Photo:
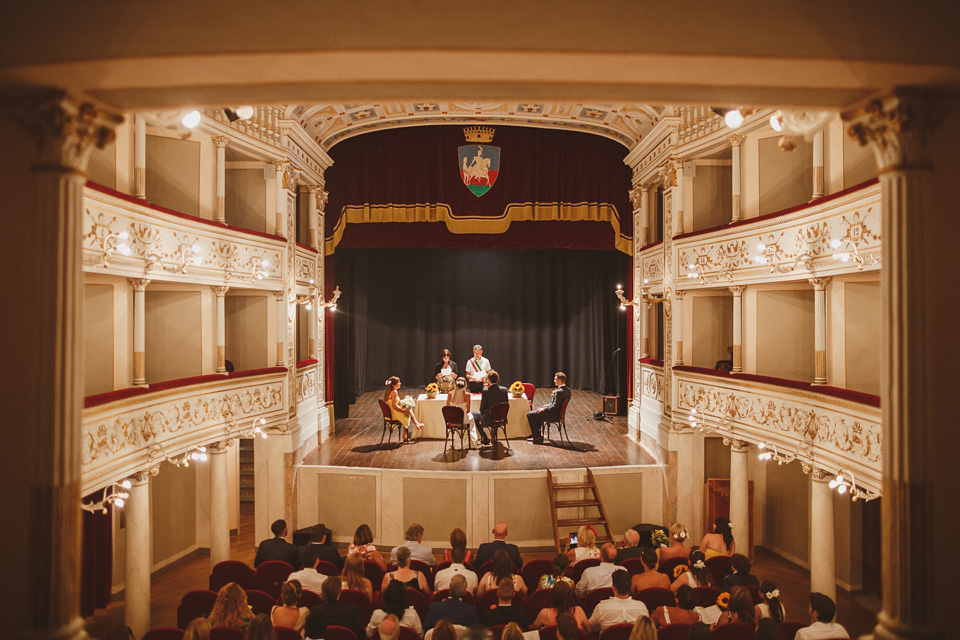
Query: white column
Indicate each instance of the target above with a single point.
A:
(818, 165)
(312, 215)
(139, 156)
(281, 202)
(820, 329)
(645, 332)
(312, 325)
(735, 141)
(737, 292)
(678, 296)
(221, 328)
(645, 215)
(823, 569)
(678, 198)
(219, 507)
(139, 330)
(221, 142)
(914, 492)
(281, 307)
(139, 556)
(740, 495)
(690, 481)
(64, 134)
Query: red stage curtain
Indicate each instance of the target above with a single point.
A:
(97, 561)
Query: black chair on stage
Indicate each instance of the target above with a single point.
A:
(453, 417)
(498, 422)
(389, 424)
(561, 424)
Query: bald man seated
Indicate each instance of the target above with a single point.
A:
(629, 546)
(487, 549)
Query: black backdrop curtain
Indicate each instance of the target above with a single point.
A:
(535, 312)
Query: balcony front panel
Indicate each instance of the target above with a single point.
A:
(651, 269)
(305, 266)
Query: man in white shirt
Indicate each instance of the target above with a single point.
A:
(822, 611)
(443, 577)
(310, 579)
(601, 575)
(476, 370)
(620, 608)
(418, 551)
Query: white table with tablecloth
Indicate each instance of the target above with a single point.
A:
(430, 414)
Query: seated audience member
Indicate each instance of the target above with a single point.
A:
(771, 607)
(363, 545)
(353, 578)
(395, 603)
(458, 538)
(444, 630)
(561, 597)
(619, 609)
(720, 542)
(741, 576)
(288, 613)
(697, 576)
(487, 549)
(409, 577)
(389, 628)
(231, 608)
(503, 569)
(629, 546)
(198, 629)
(260, 628)
(643, 629)
(700, 631)
(586, 545)
(740, 609)
(650, 577)
(677, 548)
(504, 612)
(767, 629)
(309, 578)
(567, 628)
(512, 632)
(682, 613)
(822, 611)
(277, 548)
(418, 551)
(444, 576)
(320, 545)
(560, 564)
(333, 612)
(602, 574)
(453, 608)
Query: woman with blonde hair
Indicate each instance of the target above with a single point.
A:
(512, 632)
(288, 613)
(677, 548)
(198, 629)
(353, 578)
(586, 545)
(643, 629)
(231, 608)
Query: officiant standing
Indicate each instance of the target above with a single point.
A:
(476, 370)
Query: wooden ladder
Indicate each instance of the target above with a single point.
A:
(595, 502)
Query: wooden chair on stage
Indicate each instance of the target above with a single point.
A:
(561, 424)
(498, 422)
(453, 417)
(528, 390)
(389, 424)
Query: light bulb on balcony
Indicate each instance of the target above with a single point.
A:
(761, 247)
(844, 257)
(622, 308)
(842, 489)
(619, 287)
(775, 122)
(733, 118)
(245, 112)
(311, 280)
(833, 483)
(126, 484)
(195, 248)
(203, 457)
(333, 307)
(124, 249)
(119, 502)
(265, 264)
(835, 243)
(191, 120)
(123, 235)
(645, 281)
(309, 306)
(263, 421)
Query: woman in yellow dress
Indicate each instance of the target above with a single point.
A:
(391, 395)
(720, 542)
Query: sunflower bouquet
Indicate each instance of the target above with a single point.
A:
(678, 571)
(659, 538)
(432, 390)
(517, 389)
(723, 601)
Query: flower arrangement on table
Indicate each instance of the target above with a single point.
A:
(723, 601)
(408, 403)
(678, 571)
(432, 390)
(517, 389)
(659, 538)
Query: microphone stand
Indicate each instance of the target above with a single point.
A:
(600, 415)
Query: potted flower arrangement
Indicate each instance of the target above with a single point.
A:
(659, 538)
(516, 389)
(432, 390)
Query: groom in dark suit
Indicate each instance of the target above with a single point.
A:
(492, 396)
(549, 411)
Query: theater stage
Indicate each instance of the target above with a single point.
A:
(594, 443)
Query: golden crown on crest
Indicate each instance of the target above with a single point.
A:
(478, 134)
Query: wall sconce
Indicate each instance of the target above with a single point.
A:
(733, 117)
(197, 454)
(188, 254)
(624, 303)
(769, 253)
(850, 252)
(331, 304)
(845, 483)
(114, 494)
(114, 243)
(261, 268)
(769, 451)
(306, 301)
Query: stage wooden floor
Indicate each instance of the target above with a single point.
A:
(594, 443)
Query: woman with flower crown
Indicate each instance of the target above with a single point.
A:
(697, 576)
(720, 542)
(391, 395)
(678, 534)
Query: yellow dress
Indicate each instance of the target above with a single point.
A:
(709, 553)
(399, 416)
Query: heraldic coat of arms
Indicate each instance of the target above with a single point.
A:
(479, 163)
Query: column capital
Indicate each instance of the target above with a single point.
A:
(279, 295)
(636, 195)
(142, 477)
(819, 284)
(735, 139)
(66, 131)
(668, 174)
(737, 290)
(221, 141)
(817, 474)
(739, 446)
(220, 291)
(322, 195)
(139, 284)
(291, 175)
(896, 127)
(679, 293)
(220, 446)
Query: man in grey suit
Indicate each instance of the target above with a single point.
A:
(492, 396)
